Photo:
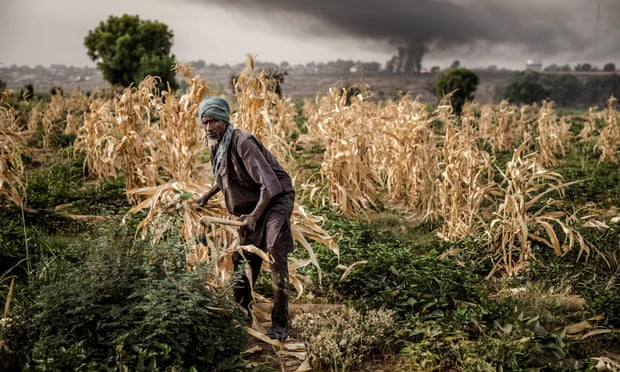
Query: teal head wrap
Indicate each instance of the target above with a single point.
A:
(214, 107)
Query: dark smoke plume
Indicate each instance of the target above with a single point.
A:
(415, 27)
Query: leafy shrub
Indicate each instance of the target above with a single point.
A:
(462, 82)
(396, 278)
(517, 342)
(106, 197)
(110, 303)
(13, 338)
(341, 340)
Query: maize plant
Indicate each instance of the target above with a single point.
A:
(524, 216)
(498, 126)
(409, 153)
(97, 138)
(589, 129)
(209, 232)
(466, 180)
(265, 114)
(13, 144)
(353, 183)
(552, 135)
(608, 141)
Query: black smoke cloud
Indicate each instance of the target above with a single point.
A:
(574, 29)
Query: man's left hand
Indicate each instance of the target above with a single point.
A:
(249, 220)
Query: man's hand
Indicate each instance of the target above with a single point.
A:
(201, 201)
(249, 220)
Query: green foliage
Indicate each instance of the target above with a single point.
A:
(342, 340)
(599, 183)
(609, 67)
(14, 339)
(29, 237)
(126, 49)
(47, 187)
(114, 303)
(449, 316)
(401, 274)
(565, 89)
(598, 89)
(106, 197)
(514, 341)
(411, 284)
(462, 81)
(594, 280)
(525, 87)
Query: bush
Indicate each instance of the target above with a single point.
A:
(114, 304)
(462, 81)
(340, 341)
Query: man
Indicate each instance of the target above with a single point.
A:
(259, 191)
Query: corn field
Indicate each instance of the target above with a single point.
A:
(426, 161)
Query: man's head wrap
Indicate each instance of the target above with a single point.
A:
(214, 107)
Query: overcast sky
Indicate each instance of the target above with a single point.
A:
(478, 33)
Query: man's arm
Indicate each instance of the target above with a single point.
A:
(250, 219)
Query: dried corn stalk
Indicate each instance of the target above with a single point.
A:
(13, 143)
(167, 199)
(609, 139)
(352, 182)
(523, 216)
(466, 181)
(552, 135)
(409, 155)
(589, 127)
(264, 114)
(499, 126)
(97, 138)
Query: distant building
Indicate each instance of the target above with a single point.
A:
(534, 65)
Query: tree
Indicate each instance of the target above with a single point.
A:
(126, 49)
(525, 87)
(583, 67)
(598, 89)
(609, 67)
(461, 82)
(564, 89)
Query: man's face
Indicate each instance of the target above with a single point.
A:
(214, 128)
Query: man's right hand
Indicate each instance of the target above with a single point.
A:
(201, 201)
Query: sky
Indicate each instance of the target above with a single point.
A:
(477, 33)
